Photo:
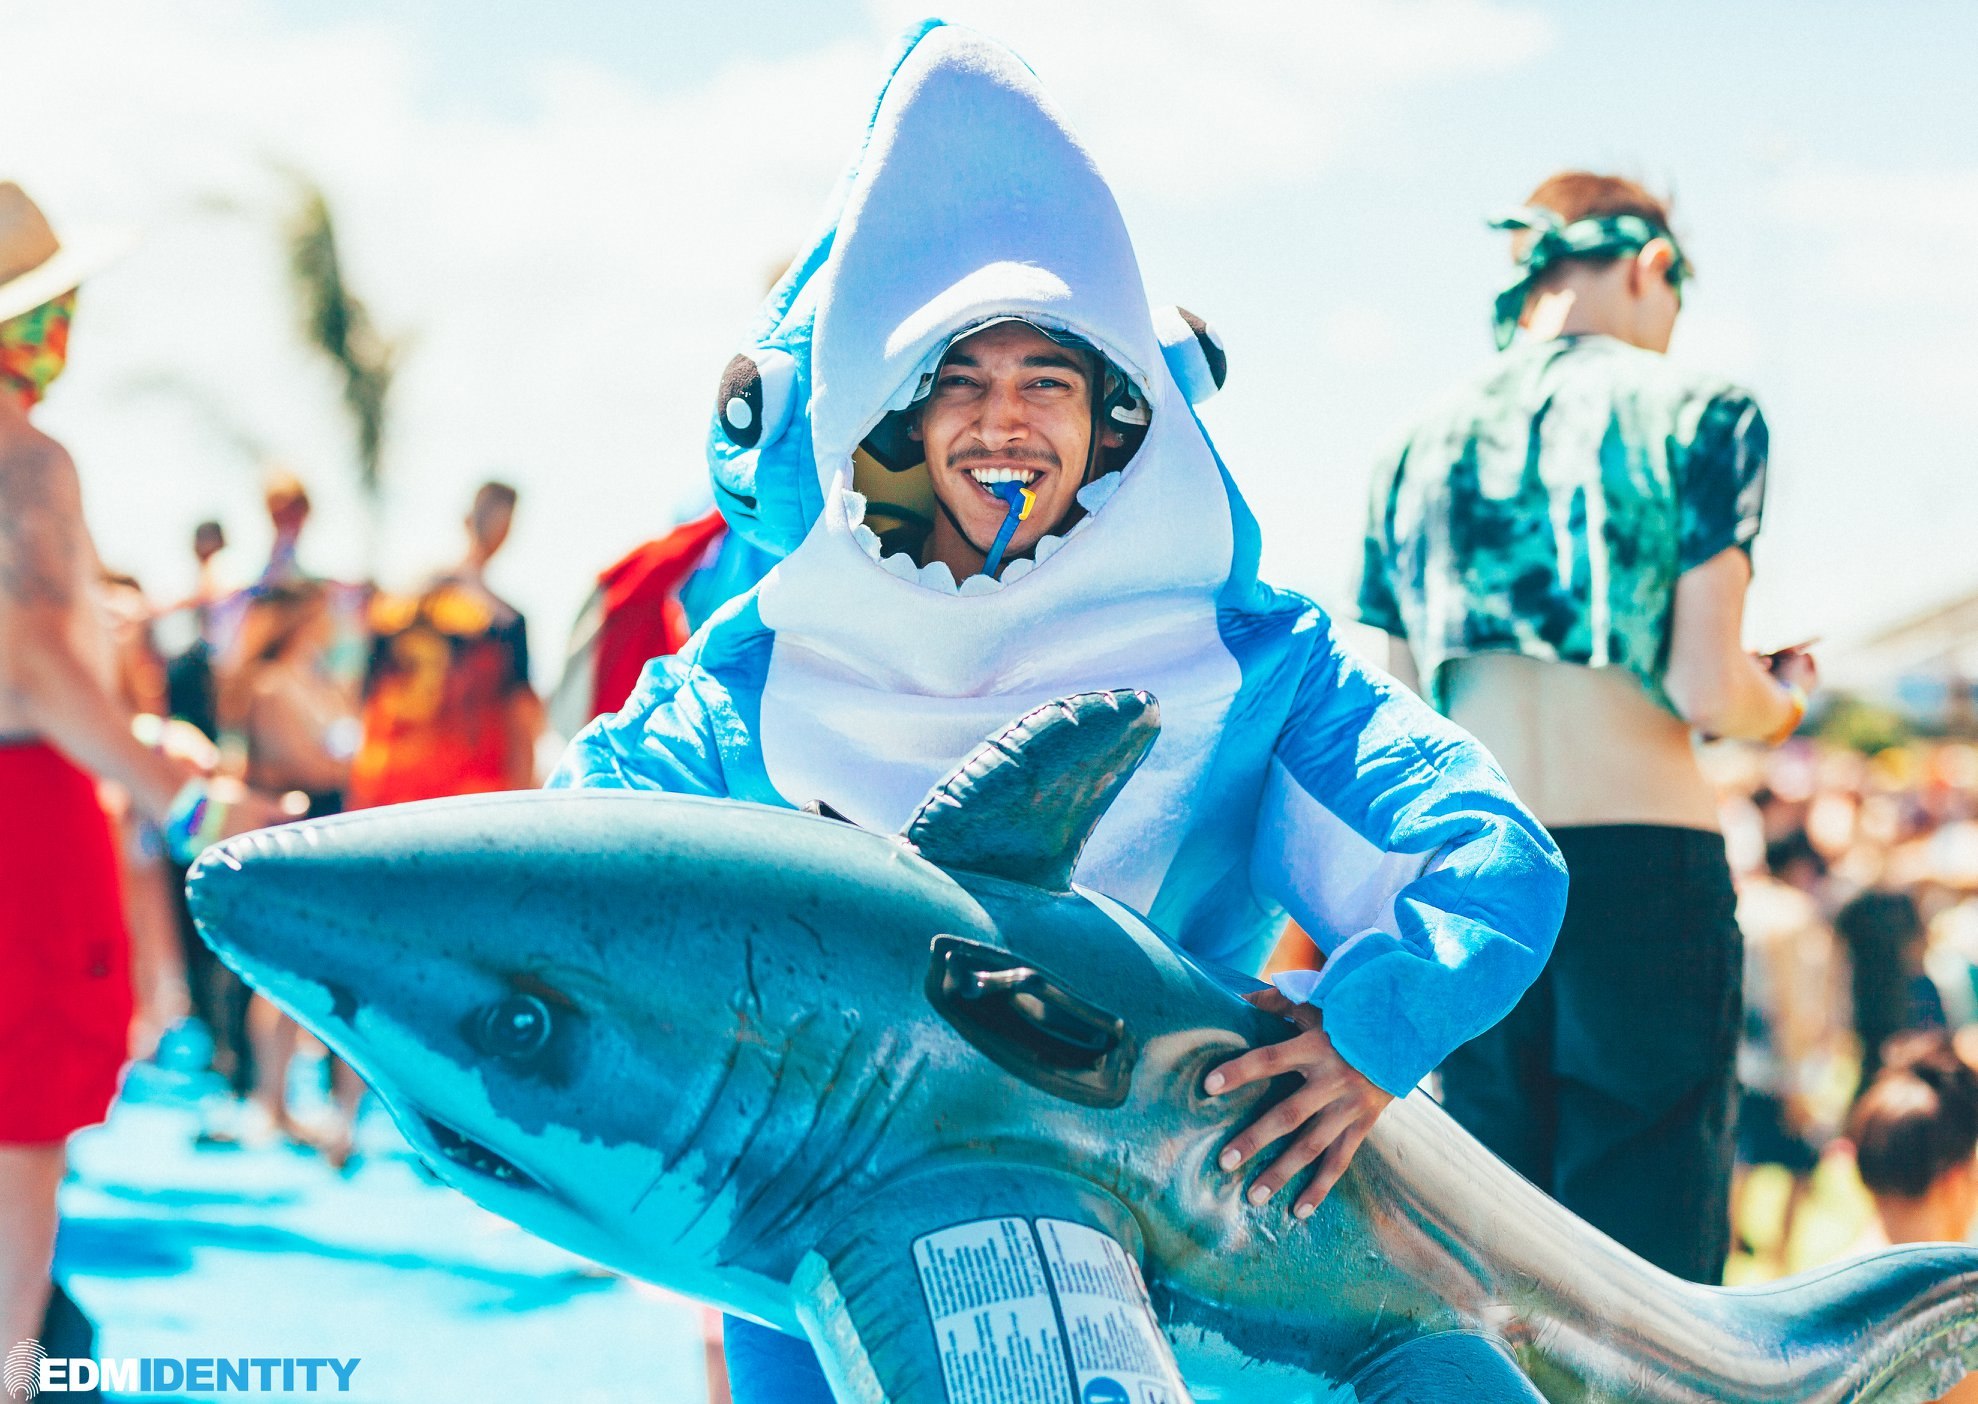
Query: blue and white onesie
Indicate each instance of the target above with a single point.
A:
(1288, 777)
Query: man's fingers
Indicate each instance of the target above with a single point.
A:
(1327, 1117)
(1273, 1125)
(1317, 1104)
(1258, 1063)
(1319, 1134)
(1263, 1064)
(1332, 1164)
(1272, 1000)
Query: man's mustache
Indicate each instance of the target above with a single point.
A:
(1047, 457)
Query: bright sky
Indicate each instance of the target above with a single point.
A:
(569, 213)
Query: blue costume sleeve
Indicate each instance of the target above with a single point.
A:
(1395, 841)
(662, 739)
(689, 726)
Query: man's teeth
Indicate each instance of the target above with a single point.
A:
(986, 476)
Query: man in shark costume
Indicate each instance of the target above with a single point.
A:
(1287, 776)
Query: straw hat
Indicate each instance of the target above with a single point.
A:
(35, 266)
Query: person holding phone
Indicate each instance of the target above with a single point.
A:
(1560, 554)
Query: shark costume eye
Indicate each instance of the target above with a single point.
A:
(753, 400)
(515, 1028)
(1193, 351)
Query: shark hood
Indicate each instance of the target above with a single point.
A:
(971, 201)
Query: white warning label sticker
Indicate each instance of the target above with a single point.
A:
(999, 1334)
(1117, 1348)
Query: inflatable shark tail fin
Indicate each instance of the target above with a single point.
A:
(1026, 800)
(1894, 1327)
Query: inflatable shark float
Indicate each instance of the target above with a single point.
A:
(920, 1098)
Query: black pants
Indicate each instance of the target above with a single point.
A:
(1612, 1085)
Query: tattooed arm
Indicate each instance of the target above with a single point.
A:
(47, 615)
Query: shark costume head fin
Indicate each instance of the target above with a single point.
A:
(1025, 801)
(1193, 351)
(758, 448)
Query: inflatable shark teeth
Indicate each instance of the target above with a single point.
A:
(935, 575)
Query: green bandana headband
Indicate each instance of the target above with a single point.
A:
(1599, 236)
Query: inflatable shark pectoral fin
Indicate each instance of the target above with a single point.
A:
(1026, 800)
(913, 1295)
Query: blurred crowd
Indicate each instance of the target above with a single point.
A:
(332, 696)
(1858, 897)
(336, 695)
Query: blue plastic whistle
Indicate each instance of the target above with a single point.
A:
(1021, 499)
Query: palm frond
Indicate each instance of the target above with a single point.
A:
(336, 322)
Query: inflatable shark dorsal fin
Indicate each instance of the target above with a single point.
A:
(1026, 800)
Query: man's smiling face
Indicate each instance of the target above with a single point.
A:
(1008, 405)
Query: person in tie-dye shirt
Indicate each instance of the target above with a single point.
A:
(1560, 552)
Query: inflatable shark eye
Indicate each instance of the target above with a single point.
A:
(753, 401)
(515, 1028)
(1193, 351)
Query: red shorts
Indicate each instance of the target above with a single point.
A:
(65, 993)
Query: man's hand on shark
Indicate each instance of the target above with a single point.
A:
(1336, 1107)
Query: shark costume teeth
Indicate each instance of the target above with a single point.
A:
(1287, 775)
(936, 575)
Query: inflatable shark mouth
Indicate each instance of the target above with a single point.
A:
(470, 1154)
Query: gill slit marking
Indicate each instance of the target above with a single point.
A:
(779, 1071)
(646, 1193)
(817, 1117)
(748, 973)
(728, 1063)
(874, 1089)
(737, 1241)
(852, 1164)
